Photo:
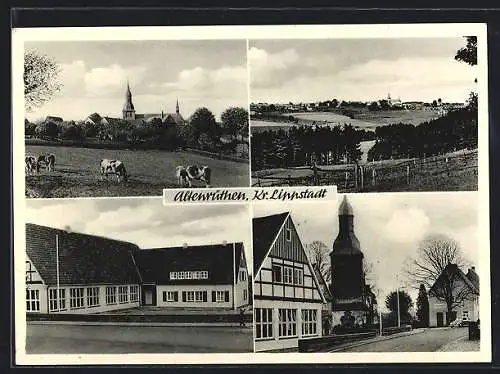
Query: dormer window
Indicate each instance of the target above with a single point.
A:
(288, 235)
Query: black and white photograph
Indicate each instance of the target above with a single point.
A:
(130, 118)
(132, 276)
(371, 273)
(366, 115)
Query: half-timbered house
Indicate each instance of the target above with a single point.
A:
(287, 295)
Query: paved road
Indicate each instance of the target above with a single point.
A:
(75, 339)
(428, 341)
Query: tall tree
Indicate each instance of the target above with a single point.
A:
(405, 303)
(434, 253)
(235, 121)
(468, 54)
(423, 306)
(203, 122)
(40, 79)
(318, 254)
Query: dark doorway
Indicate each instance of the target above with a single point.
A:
(149, 295)
(439, 318)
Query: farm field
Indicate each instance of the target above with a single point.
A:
(76, 172)
(414, 117)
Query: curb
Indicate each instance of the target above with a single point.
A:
(138, 324)
(389, 337)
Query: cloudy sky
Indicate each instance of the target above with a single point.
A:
(146, 222)
(94, 74)
(390, 226)
(358, 69)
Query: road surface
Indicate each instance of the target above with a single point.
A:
(428, 341)
(78, 339)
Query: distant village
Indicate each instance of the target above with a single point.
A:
(388, 103)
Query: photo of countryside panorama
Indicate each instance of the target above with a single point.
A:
(130, 118)
(367, 115)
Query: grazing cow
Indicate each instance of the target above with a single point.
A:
(30, 165)
(115, 167)
(188, 173)
(48, 161)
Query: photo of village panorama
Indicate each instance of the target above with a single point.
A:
(322, 282)
(101, 121)
(133, 276)
(366, 115)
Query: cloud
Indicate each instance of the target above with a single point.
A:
(407, 226)
(267, 68)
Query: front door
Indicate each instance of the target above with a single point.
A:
(439, 319)
(149, 297)
(149, 294)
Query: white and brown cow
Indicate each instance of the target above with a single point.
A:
(30, 165)
(46, 160)
(115, 167)
(185, 174)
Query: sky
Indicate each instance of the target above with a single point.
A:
(389, 227)
(146, 222)
(94, 74)
(413, 69)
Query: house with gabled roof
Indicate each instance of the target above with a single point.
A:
(89, 273)
(463, 298)
(288, 299)
(96, 274)
(212, 276)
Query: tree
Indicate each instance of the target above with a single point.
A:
(434, 253)
(47, 129)
(203, 122)
(40, 79)
(235, 121)
(405, 303)
(423, 306)
(318, 254)
(468, 54)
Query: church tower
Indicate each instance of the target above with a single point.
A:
(128, 108)
(177, 107)
(348, 280)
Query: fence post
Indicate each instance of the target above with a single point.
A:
(362, 175)
(289, 180)
(346, 177)
(356, 176)
(373, 176)
(407, 174)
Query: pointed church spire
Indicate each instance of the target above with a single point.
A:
(128, 108)
(177, 106)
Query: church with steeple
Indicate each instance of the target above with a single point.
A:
(353, 301)
(129, 114)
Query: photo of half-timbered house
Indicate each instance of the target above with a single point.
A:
(287, 294)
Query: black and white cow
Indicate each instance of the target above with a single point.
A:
(47, 160)
(30, 165)
(185, 174)
(115, 167)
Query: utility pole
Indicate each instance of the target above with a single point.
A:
(399, 313)
(57, 274)
(379, 313)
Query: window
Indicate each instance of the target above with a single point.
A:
(134, 294)
(76, 298)
(245, 294)
(123, 294)
(298, 277)
(287, 275)
(277, 269)
(188, 275)
(220, 296)
(287, 322)
(288, 235)
(200, 296)
(92, 297)
(32, 300)
(465, 315)
(53, 300)
(30, 270)
(309, 322)
(243, 275)
(173, 275)
(110, 295)
(170, 296)
(263, 323)
(188, 296)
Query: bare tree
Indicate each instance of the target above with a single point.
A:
(318, 254)
(40, 79)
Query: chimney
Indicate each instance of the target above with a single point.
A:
(185, 245)
(162, 114)
(224, 243)
(473, 268)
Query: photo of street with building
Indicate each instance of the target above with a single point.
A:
(104, 121)
(371, 273)
(367, 115)
(133, 276)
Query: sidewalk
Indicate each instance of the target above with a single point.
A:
(248, 326)
(346, 346)
(462, 344)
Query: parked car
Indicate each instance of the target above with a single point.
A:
(457, 323)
